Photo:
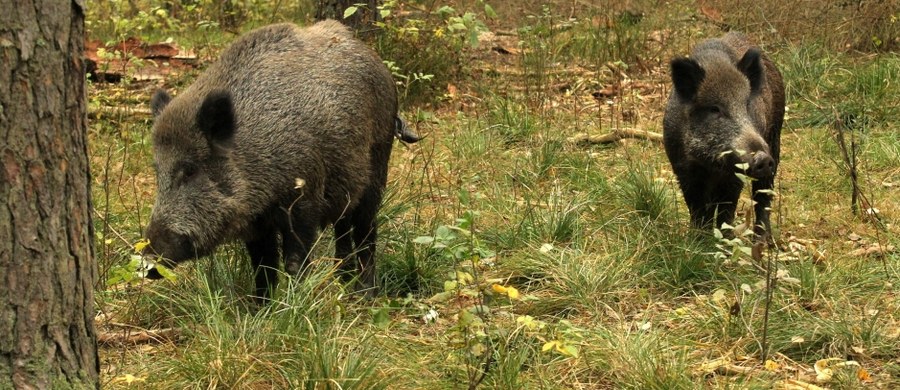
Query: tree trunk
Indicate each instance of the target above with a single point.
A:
(47, 338)
(362, 20)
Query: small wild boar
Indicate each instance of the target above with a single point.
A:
(289, 131)
(723, 117)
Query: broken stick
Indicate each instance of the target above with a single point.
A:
(616, 135)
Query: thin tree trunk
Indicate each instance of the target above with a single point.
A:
(47, 337)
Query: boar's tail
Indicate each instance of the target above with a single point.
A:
(403, 133)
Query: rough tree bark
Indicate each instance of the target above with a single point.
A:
(361, 21)
(47, 337)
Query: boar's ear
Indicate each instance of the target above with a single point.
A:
(159, 101)
(687, 76)
(752, 67)
(216, 117)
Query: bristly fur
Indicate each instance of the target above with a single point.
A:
(726, 110)
(289, 131)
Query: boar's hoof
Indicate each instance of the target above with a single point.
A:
(293, 267)
(762, 166)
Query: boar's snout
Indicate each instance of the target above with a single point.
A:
(762, 166)
(167, 247)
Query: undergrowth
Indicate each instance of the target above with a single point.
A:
(510, 256)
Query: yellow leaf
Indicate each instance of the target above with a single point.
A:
(823, 373)
(141, 244)
(549, 345)
(512, 293)
(795, 384)
(772, 366)
(718, 295)
(713, 365)
(498, 289)
(129, 379)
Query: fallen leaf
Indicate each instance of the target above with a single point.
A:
(451, 90)
(794, 384)
(823, 373)
(713, 365)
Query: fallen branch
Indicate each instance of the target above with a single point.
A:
(615, 136)
(131, 336)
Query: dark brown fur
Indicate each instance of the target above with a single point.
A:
(727, 108)
(282, 105)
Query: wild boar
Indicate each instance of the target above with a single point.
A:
(723, 117)
(290, 131)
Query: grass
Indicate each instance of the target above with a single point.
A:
(612, 288)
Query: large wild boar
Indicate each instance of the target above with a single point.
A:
(289, 131)
(723, 117)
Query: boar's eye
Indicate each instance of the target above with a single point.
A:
(184, 172)
(713, 110)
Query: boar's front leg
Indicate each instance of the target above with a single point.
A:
(695, 189)
(343, 237)
(264, 261)
(298, 232)
(763, 200)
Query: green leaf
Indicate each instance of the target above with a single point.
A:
(478, 349)
(489, 11)
(466, 318)
(570, 350)
(381, 318)
(385, 13)
(120, 274)
(442, 296)
(458, 26)
(444, 233)
(480, 309)
(445, 10)
(450, 285)
(473, 38)
(423, 240)
(166, 273)
(350, 11)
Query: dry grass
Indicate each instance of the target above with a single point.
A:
(594, 237)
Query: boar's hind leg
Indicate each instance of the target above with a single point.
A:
(365, 233)
(264, 261)
(762, 227)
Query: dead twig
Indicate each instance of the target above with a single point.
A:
(113, 111)
(614, 136)
(132, 336)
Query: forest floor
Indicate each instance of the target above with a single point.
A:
(516, 249)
